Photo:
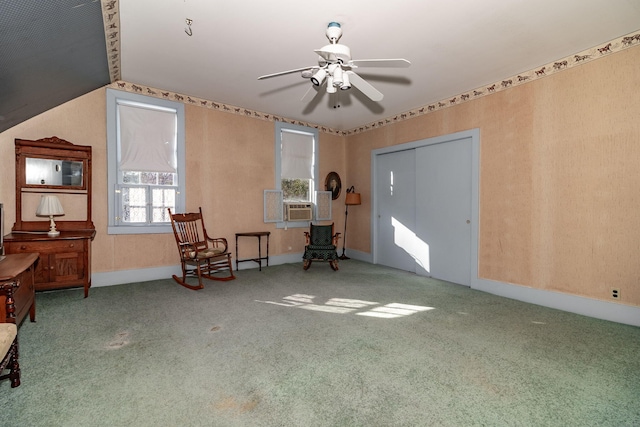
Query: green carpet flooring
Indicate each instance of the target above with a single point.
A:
(364, 346)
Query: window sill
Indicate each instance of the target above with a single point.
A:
(140, 229)
(293, 224)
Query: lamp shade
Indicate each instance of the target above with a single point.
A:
(352, 198)
(49, 206)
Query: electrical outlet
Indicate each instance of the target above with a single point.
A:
(615, 293)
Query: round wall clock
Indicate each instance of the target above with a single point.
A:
(333, 184)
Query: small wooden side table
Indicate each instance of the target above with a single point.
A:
(19, 268)
(259, 235)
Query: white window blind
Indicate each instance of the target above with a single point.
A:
(297, 155)
(147, 140)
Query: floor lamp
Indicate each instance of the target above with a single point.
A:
(352, 198)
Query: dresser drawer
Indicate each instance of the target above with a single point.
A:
(46, 247)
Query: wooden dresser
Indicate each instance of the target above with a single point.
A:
(64, 260)
(52, 166)
(17, 269)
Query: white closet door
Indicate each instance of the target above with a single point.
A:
(396, 208)
(443, 209)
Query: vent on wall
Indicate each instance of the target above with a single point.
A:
(298, 211)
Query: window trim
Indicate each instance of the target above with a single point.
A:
(113, 98)
(280, 126)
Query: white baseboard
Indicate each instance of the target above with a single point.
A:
(605, 310)
(145, 274)
(274, 260)
(297, 257)
(360, 256)
(131, 276)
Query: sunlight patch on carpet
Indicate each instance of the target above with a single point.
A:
(347, 305)
(394, 310)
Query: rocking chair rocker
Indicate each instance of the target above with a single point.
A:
(200, 255)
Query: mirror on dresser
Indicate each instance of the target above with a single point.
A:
(53, 172)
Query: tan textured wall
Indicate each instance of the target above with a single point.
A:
(230, 161)
(559, 178)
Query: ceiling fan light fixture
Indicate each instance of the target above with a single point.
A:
(318, 77)
(335, 68)
(346, 83)
(338, 77)
(330, 86)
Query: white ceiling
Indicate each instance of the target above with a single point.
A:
(454, 46)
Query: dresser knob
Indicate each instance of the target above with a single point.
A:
(23, 247)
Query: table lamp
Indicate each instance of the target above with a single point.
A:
(50, 206)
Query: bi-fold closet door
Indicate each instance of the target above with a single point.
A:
(423, 209)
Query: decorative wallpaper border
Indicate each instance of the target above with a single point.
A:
(110, 15)
(580, 58)
(111, 21)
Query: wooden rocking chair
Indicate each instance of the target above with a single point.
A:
(200, 255)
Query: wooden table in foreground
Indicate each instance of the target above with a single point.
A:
(18, 268)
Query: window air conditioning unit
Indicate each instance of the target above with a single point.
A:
(296, 211)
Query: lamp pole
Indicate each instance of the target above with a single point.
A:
(352, 198)
(344, 238)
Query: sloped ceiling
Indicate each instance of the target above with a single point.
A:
(51, 51)
(213, 52)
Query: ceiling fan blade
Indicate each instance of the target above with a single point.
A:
(364, 87)
(282, 73)
(393, 63)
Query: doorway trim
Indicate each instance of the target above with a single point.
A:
(474, 135)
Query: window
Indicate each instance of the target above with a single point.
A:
(296, 146)
(145, 144)
(296, 163)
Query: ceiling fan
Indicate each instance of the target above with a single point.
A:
(335, 67)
